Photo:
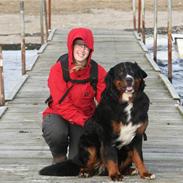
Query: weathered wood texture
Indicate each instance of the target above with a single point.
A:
(22, 149)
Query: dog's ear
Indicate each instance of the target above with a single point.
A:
(141, 74)
(140, 71)
(109, 90)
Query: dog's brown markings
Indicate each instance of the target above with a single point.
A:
(116, 126)
(120, 85)
(92, 157)
(140, 165)
(92, 162)
(113, 170)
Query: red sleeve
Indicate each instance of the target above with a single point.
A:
(58, 87)
(101, 82)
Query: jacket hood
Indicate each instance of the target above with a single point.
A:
(82, 33)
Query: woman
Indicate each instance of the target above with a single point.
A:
(63, 122)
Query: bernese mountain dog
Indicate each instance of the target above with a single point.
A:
(112, 141)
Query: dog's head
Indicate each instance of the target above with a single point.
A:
(124, 80)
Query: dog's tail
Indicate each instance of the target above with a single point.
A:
(65, 168)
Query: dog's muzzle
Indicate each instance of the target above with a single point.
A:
(129, 84)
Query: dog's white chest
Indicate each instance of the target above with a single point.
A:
(128, 111)
(127, 134)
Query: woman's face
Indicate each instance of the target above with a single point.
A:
(80, 52)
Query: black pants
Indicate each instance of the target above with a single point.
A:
(60, 134)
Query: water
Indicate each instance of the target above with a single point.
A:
(162, 61)
(12, 68)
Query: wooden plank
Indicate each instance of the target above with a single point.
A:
(26, 151)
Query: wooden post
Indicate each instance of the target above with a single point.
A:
(143, 21)
(139, 15)
(22, 37)
(170, 40)
(46, 19)
(49, 15)
(42, 20)
(2, 97)
(134, 14)
(155, 31)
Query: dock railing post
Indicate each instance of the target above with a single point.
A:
(2, 96)
(170, 40)
(134, 14)
(46, 19)
(143, 21)
(139, 15)
(155, 31)
(49, 15)
(41, 21)
(22, 37)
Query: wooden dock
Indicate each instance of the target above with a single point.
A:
(23, 150)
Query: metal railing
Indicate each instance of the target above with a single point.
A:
(140, 4)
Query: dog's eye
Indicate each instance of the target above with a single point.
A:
(118, 83)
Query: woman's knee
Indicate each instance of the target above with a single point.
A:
(56, 138)
(55, 131)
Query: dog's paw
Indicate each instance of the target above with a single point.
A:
(84, 174)
(148, 176)
(116, 177)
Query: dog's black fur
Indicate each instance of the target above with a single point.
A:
(105, 147)
(124, 106)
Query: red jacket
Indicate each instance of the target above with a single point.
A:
(79, 105)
